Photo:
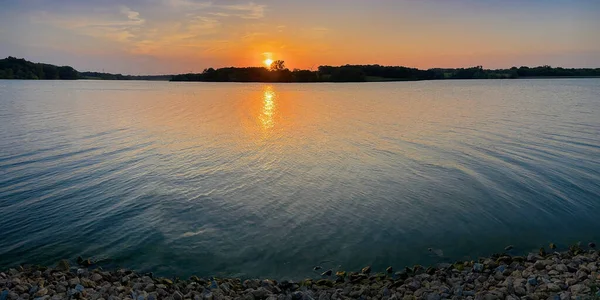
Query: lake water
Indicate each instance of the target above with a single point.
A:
(258, 180)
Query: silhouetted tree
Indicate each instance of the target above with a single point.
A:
(277, 65)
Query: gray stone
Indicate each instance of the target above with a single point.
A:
(177, 296)
(579, 289)
(63, 265)
(520, 291)
(553, 287)
(562, 268)
(260, 293)
(565, 296)
(96, 277)
(532, 281)
(74, 281)
(540, 265)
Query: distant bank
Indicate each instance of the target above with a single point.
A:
(18, 68)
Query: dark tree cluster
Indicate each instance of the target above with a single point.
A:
(361, 73)
(548, 71)
(18, 68)
(249, 74)
(109, 76)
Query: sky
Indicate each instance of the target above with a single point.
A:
(180, 36)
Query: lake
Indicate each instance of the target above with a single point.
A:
(270, 180)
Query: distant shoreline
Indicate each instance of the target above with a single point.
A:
(315, 82)
(18, 68)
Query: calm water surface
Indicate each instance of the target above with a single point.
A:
(258, 180)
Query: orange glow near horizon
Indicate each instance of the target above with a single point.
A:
(187, 36)
(268, 62)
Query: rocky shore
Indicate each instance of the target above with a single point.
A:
(571, 274)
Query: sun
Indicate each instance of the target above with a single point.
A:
(268, 62)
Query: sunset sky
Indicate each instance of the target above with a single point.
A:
(176, 36)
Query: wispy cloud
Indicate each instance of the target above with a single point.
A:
(249, 10)
(133, 16)
(120, 25)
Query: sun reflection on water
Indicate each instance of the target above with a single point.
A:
(268, 109)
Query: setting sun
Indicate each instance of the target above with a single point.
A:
(268, 62)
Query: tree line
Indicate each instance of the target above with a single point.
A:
(362, 73)
(18, 68)
(15, 68)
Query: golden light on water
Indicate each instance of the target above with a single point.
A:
(268, 109)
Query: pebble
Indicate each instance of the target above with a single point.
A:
(96, 277)
(560, 276)
(74, 281)
(177, 295)
(532, 281)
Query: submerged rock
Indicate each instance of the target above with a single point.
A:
(63, 265)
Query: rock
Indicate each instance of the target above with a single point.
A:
(150, 288)
(389, 270)
(477, 267)
(552, 246)
(260, 293)
(579, 289)
(532, 281)
(41, 292)
(553, 287)
(63, 265)
(540, 265)
(177, 296)
(88, 283)
(208, 296)
(414, 285)
(295, 296)
(581, 275)
(341, 274)
(74, 281)
(562, 268)
(565, 296)
(572, 281)
(366, 270)
(325, 282)
(520, 291)
(96, 277)
(84, 262)
(532, 257)
(327, 273)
